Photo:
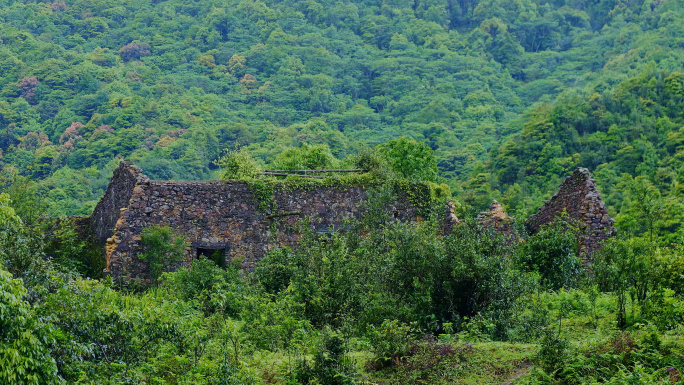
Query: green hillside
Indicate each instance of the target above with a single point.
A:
(473, 100)
(172, 84)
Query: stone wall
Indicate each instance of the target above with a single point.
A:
(496, 219)
(450, 219)
(225, 215)
(578, 196)
(119, 191)
(218, 214)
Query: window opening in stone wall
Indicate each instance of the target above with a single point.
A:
(218, 256)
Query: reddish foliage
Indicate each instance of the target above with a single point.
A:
(71, 135)
(674, 374)
(34, 140)
(58, 6)
(27, 88)
(105, 127)
(622, 343)
(135, 51)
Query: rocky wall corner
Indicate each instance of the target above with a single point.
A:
(579, 199)
(108, 210)
(497, 220)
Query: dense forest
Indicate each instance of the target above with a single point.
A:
(482, 99)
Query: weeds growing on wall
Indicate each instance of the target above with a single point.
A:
(162, 249)
(423, 195)
(405, 176)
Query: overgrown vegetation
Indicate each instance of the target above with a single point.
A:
(535, 87)
(405, 166)
(163, 249)
(479, 100)
(383, 302)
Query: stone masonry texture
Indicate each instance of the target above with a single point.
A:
(225, 215)
(118, 193)
(579, 198)
(497, 219)
(216, 214)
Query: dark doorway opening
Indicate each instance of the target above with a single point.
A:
(217, 255)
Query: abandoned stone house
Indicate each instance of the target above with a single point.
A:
(224, 217)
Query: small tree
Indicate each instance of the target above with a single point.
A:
(239, 164)
(311, 157)
(627, 267)
(74, 250)
(552, 252)
(644, 205)
(27, 88)
(163, 249)
(24, 357)
(25, 199)
(410, 159)
(332, 364)
(134, 51)
(369, 159)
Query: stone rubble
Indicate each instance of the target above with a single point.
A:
(497, 219)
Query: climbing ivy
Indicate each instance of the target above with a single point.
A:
(162, 249)
(262, 190)
(423, 195)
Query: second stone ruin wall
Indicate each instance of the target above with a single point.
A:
(579, 198)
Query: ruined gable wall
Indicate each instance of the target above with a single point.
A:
(118, 193)
(578, 196)
(220, 212)
(497, 220)
(199, 211)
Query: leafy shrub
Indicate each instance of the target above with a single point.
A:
(390, 342)
(552, 252)
(553, 352)
(163, 249)
(331, 364)
(476, 275)
(410, 159)
(214, 288)
(666, 309)
(275, 271)
(22, 255)
(432, 362)
(24, 354)
(239, 164)
(326, 279)
(306, 157)
(371, 160)
(108, 336)
(620, 359)
(627, 268)
(73, 250)
(274, 324)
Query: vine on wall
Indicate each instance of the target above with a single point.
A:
(421, 194)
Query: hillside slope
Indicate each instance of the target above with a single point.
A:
(171, 84)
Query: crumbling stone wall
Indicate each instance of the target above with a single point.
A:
(226, 215)
(496, 219)
(107, 212)
(217, 214)
(578, 196)
(450, 219)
